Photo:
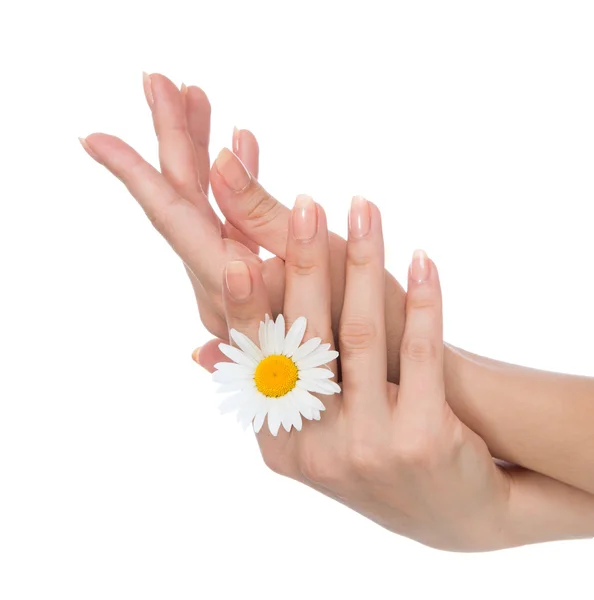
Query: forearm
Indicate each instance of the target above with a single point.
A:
(542, 421)
(542, 509)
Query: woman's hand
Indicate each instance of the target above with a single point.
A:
(396, 454)
(176, 202)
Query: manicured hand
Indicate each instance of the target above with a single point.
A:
(396, 454)
(176, 199)
(176, 202)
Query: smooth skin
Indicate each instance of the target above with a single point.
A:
(397, 454)
(509, 407)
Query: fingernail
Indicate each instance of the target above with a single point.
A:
(183, 90)
(196, 355)
(236, 140)
(87, 148)
(231, 169)
(305, 218)
(359, 217)
(238, 280)
(148, 88)
(419, 267)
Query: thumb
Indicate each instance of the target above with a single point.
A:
(247, 205)
(209, 354)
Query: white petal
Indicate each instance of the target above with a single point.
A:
(316, 359)
(261, 338)
(244, 342)
(240, 357)
(313, 374)
(316, 415)
(234, 369)
(245, 420)
(327, 387)
(287, 417)
(259, 420)
(274, 417)
(224, 377)
(261, 410)
(306, 349)
(270, 336)
(319, 386)
(247, 412)
(301, 403)
(279, 334)
(307, 399)
(296, 418)
(236, 385)
(294, 336)
(231, 403)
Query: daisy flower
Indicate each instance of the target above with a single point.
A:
(276, 378)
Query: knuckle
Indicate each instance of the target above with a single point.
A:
(416, 452)
(422, 299)
(302, 266)
(359, 258)
(243, 319)
(419, 349)
(160, 222)
(262, 208)
(160, 217)
(365, 459)
(317, 468)
(356, 334)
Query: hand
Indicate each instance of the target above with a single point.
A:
(396, 454)
(176, 202)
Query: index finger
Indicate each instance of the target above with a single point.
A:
(180, 222)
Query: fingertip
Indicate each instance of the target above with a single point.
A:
(196, 355)
(420, 267)
(87, 148)
(238, 280)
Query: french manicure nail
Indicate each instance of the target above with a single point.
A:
(148, 89)
(196, 355)
(232, 170)
(236, 141)
(238, 280)
(359, 217)
(305, 218)
(85, 145)
(419, 267)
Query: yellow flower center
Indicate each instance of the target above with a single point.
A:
(276, 375)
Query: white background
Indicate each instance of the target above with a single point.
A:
(470, 124)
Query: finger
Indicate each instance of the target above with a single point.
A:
(246, 148)
(198, 111)
(264, 376)
(307, 292)
(247, 206)
(362, 330)
(177, 157)
(421, 352)
(179, 221)
(208, 355)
